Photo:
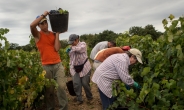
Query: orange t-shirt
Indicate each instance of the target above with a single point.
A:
(46, 48)
(102, 55)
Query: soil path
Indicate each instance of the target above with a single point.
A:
(94, 105)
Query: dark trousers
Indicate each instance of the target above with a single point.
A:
(106, 101)
(79, 82)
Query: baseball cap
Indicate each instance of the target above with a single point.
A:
(137, 53)
(72, 38)
(42, 19)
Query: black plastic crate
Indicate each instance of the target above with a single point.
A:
(59, 22)
(70, 88)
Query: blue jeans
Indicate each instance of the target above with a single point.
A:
(106, 102)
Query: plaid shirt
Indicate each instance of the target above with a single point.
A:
(113, 68)
(78, 55)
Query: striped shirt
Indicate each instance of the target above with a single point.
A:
(113, 68)
(78, 55)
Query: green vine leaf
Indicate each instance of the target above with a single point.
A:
(146, 70)
(170, 38)
(171, 17)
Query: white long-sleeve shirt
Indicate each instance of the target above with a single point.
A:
(113, 68)
(99, 46)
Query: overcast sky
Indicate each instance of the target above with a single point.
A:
(87, 16)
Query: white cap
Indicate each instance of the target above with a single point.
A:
(137, 53)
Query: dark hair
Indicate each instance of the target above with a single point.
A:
(113, 43)
(129, 54)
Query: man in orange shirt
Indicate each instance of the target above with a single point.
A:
(103, 54)
(48, 45)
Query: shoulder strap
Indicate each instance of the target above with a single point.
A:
(86, 60)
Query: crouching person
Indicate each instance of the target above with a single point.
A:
(113, 68)
(104, 53)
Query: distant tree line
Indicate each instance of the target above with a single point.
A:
(93, 39)
(147, 30)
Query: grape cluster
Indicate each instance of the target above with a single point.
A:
(59, 11)
(54, 12)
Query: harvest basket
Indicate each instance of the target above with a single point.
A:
(70, 88)
(59, 22)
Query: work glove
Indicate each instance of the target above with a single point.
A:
(127, 87)
(68, 50)
(136, 85)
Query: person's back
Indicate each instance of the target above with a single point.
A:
(101, 56)
(99, 46)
